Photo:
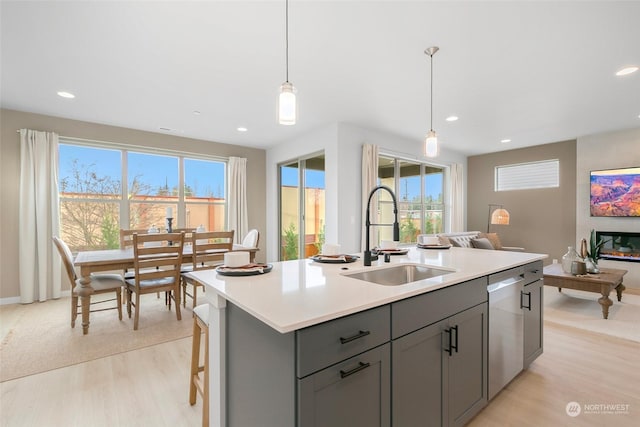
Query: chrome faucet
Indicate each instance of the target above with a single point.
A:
(396, 227)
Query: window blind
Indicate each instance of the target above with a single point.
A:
(524, 176)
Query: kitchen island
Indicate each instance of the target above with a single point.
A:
(272, 338)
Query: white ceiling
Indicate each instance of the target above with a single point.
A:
(534, 72)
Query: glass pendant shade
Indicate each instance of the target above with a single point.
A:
(431, 144)
(287, 108)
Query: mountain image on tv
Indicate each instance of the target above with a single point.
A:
(615, 192)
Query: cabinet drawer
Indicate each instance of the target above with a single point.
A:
(327, 343)
(352, 393)
(533, 271)
(422, 310)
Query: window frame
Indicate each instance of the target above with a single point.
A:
(423, 166)
(123, 200)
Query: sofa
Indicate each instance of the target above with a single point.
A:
(476, 239)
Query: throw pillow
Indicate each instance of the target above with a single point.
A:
(494, 239)
(444, 240)
(482, 243)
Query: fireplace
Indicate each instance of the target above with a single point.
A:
(619, 246)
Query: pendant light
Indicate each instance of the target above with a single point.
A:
(431, 140)
(287, 108)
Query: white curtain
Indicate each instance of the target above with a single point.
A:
(39, 221)
(457, 203)
(369, 181)
(238, 210)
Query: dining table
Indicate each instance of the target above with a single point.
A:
(118, 260)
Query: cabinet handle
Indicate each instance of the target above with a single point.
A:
(450, 349)
(360, 334)
(360, 367)
(528, 306)
(455, 347)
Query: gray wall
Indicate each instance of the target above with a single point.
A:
(607, 151)
(11, 121)
(542, 220)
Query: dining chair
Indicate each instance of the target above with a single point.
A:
(126, 236)
(101, 283)
(208, 252)
(126, 241)
(249, 241)
(156, 269)
(198, 384)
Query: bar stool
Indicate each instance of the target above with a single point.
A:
(201, 385)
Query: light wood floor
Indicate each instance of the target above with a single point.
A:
(576, 366)
(149, 387)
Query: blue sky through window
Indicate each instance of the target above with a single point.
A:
(204, 177)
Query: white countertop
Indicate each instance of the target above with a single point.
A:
(301, 293)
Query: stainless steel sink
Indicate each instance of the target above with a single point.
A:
(398, 274)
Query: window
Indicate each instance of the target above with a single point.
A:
(95, 204)
(524, 176)
(419, 190)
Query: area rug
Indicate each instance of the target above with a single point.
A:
(580, 309)
(38, 337)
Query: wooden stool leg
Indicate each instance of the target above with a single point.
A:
(205, 397)
(195, 294)
(195, 361)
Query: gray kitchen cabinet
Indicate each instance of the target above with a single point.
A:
(440, 370)
(353, 393)
(417, 377)
(344, 371)
(533, 324)
(465, 385)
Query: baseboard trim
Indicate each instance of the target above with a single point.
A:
(16, 300)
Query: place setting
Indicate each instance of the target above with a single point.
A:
(430, 242)
(331, 255)
(389, 247)
(237, 264)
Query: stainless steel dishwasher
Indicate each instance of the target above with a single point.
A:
(506, 327)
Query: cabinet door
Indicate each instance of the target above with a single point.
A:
(465, 380)
(533, 322)
(417, 377)
(353, 393)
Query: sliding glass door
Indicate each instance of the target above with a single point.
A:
(302, 207)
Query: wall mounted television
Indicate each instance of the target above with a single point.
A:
(615, 192)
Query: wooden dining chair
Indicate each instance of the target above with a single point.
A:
(208, 248)
(126, 236)
(156, 269)
(101, 283)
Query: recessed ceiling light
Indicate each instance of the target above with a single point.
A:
(627, 70)
(241, 129)
(196, 112)
(451, 118)
(66, 94)
(504, 141)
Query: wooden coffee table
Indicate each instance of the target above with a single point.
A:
(603, 283)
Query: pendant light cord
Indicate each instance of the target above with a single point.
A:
(431, 56)
(287, 37)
